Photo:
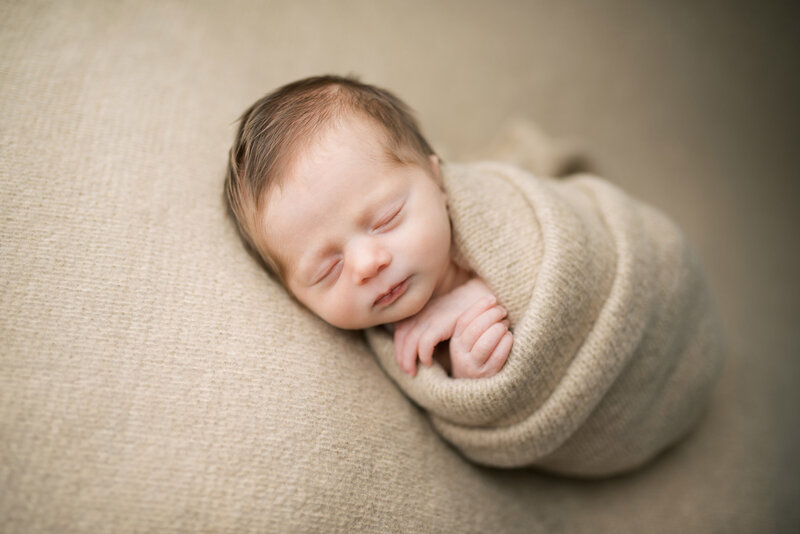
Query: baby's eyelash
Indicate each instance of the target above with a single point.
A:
(388, 219)
(333, 270)
(326, 273)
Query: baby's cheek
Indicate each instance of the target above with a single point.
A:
(426, 240)
(344, 311)
(437, 250)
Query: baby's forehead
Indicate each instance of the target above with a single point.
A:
(351, 140)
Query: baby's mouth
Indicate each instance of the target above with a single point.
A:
(392, 294)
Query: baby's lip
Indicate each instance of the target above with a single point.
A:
(392, 294)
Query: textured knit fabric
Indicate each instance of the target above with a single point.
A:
(616, 341)
(153, 378)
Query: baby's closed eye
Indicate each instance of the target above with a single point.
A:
(329, 272)
(390, 218)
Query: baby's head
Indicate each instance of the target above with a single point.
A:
(333, 185)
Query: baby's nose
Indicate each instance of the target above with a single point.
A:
(369, 260)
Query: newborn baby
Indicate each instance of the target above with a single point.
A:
(333, 185)
(616, 339)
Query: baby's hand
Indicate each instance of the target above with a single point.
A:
(481, 341)
(419, 334)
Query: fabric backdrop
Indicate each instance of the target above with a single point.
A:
(153, 378)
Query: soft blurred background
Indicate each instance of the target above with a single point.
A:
(691, 106)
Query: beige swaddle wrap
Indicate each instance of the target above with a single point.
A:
(616, 342)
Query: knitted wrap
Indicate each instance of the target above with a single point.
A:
(616, 340)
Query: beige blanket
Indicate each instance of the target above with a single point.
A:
(616, 344)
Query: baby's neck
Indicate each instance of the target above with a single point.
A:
(454, 277)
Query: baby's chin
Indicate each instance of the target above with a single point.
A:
(389, 316)
(413, 304)
(408, 305)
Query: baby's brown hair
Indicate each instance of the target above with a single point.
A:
(280, 125)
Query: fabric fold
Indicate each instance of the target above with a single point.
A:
(616, 340)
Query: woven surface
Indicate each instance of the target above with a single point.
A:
(152, 378)
(617, 344)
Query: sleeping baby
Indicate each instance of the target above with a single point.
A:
(616, 343)
(334, 186)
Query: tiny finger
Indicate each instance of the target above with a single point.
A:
(481, 324)
(399, 346)
(427, 344)
(487, 342)
(499, 356)
(410, 349)
(472, 312)
(401, 330)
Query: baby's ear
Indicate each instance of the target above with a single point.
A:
(437, 175)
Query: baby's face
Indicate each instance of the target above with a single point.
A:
(362, 239)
